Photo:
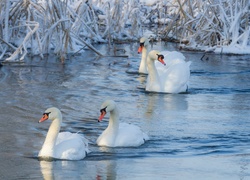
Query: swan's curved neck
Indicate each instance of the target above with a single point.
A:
(50, 140)
(152, 72)
(144, 54)
(113, 121)
(143, 64)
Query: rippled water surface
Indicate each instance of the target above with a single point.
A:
(201, 134)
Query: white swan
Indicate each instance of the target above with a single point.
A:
(143, 48)
(119, 134)
(173, 78)
(64, 145)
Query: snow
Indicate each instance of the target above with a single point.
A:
(233, 50)
(149, 2)
(214, 26)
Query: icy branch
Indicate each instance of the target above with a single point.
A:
(22, 47)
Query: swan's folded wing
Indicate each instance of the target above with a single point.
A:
(71, 146)
(176, 78)
(130, 135)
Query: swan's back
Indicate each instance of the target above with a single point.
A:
(71, 146)
(130, 136)
(175, 75)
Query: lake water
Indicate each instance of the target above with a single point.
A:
(202, 134)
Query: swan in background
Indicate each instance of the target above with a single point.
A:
(170, 79)
(171, 57)
(119, 134)
(64, 145)
(143, 48)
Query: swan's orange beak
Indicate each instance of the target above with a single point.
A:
(140, 48)
(103, 113)
(161, 59)
(44, 118)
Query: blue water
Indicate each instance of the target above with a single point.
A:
(201, 134)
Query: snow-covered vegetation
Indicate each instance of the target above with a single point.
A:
(38, 27)
(216, 25)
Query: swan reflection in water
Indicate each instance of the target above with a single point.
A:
(62, 169)
(106, 170)
(159, 103)
(46, 170)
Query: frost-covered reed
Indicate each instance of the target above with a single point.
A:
(39, 27)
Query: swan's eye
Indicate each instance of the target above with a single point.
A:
(103, 110)
(142, 44)
(160, 56)
(46, 113)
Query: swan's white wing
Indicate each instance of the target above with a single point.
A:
(175, 75)
(130, 135)
(176, 78)
(72, 146)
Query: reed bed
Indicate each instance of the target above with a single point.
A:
(68, 26)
